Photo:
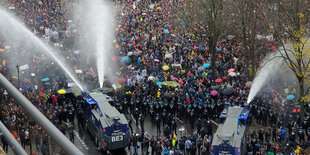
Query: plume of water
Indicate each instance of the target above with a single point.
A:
(11, 29)
(99, 24)
(270, 68)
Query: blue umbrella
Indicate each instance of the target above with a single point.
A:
(267, 90)
(227, 103)
(206, 65)
(199, 71)
(194, 67)
(45, 79)
(69, 80)
(191, 90)
(159, 83)
(290, 97)
(26, 87)
(125, 59)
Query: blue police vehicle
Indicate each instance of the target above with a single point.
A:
(104, 122)
(230, 136)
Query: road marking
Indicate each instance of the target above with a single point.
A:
(134, 120)
(179, 120)
(81, 140)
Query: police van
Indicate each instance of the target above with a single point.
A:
(104, 122)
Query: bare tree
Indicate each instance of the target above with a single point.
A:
(291, 30)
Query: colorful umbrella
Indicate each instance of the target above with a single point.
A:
(156, 60)
(61, 91)
(45, 79)
(218, 80)
(206, 65)
(231, 70)
(159, 83)
(121, 80)
(165, 68)
(214, 93)
(290, 97)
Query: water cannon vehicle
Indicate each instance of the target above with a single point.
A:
(230, 137)
(104, 122)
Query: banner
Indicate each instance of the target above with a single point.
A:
(24, 67)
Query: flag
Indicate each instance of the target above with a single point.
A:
(92, 72)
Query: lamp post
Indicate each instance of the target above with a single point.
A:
(17, 67)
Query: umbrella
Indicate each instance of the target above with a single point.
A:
(232, 74)
(214, 93)
(224, 78)
(168, 56)
(215, 87)
(218, 80)
(167, 95)
(26, 87)
(151, 78)
(159, 83)
(228, 90)
(231, 70)
(61, 91)
(46, 84)
(129, 53)
(165, 68)
(191, 90)
(7, 47)
(267, 90)
(26, 80)
(125, 59)
(175, 79)
(171, 83)
(121, 80)
(136, 53)
(156, 60)
(45, 79)
(77, 52)
(290, 97)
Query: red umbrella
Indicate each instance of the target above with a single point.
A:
(26, 81)
(231, 70)
(294, 110)
(273, 48)
(218, 80)
(298, 110)
(121, 80)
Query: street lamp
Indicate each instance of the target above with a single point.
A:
(17, 67)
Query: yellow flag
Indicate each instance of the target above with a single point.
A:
(3, 63)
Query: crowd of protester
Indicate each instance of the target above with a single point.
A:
(146, 41)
